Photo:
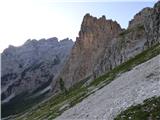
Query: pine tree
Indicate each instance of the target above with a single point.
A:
(62, 86)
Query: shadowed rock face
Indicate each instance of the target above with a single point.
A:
(102, 44)
(32, 67)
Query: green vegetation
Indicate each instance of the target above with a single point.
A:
(23, 104)
(125, 32)
(62, 86)
(138, 28)
(56, 105)
(149, 110)
(24, 100)
(126, 66)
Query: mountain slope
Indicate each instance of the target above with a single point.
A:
(56, 105)
(102, 45)
(129, 88)
(28, 70)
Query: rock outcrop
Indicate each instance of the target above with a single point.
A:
(31, 67)
(102, 44)
(94, 37)
(152, 25)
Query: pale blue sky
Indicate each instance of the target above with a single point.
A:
(24, 19)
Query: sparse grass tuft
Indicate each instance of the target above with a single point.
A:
(138, 28)
(149, 110)
(128, 65)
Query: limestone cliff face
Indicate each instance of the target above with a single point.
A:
(102, 44)
(152, 25)
(142, 33)
(94, 37)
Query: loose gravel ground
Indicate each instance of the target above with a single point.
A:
(130, 88)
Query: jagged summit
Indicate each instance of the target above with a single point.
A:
(140, 17)
(157, 5)
(66, 40)
(95, 36)
(52, 40)
(41, 42)
(91, 24)
(96, 31)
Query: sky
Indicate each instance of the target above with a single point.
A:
(21, 20)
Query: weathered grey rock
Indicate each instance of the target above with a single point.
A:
(152, 25)
(32, 67)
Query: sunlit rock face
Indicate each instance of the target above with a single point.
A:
(94, 37)
(102, 44)
(31, 67)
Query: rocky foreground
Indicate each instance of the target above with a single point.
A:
(128, 89)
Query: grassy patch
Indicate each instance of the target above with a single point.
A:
(53, 107)
(138, 28)
(19, 104)
(128, 65)
(149, 110)
(24, 101)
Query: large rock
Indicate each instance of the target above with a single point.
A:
(94, 37)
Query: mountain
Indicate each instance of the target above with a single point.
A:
(102, 45)
(127, 84)
(100, 63)
(28, 70)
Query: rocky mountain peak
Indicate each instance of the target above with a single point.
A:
(92, 24)
(97, 30)
(66, 41)
(31, 42)
(32, 66)
(139, 18)
(157, 5)
(95, 35)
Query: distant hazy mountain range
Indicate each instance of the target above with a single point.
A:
(28, 70)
